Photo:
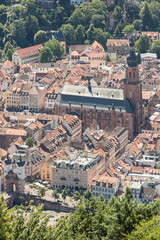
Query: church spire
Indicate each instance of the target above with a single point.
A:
(132, 59)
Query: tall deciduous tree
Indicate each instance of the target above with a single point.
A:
(55, 47)
(32, 27)
(69, 32)
(129, 29)
(55, 194)
(146, 16)
(9, 54)
(8, 46)
(45, 55)
(118, 14)
(64, 194)
(131, 11)
(80, 35)
(98, 21)
(40, 37)
(76, 196)
(41, 192)
(18, 31)
(76, 18)
(155, 48)
(142, 45)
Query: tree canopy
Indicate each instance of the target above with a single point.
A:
(93, 219)
(142, 45)
(155, 48)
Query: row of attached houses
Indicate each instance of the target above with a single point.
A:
(20, 96)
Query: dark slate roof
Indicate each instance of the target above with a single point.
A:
(58, 35)
(8, 160)
(20, 163)
(94, 103)
(132, 59)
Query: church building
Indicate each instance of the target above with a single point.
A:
(108, 107)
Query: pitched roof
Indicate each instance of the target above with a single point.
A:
(118, 42)
(26, 52)
(8, 64)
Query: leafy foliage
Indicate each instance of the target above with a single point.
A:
(55, 47)
(142, 45)
(30, 141)
(55, 194)
(45, 55)
(93, 219)
(128, 29)
(147, 230)
(155, 48)
(42, 191)
(40, 37)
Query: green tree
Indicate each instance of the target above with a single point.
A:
(41, 191)
(31, 6)
(157, 166)
(9, 54)
(146, 16)
(45, 55)
(40, 37)
(98, 21)
(55, 47)
(155, 48)
(5, 219)
(23, 222)
(76, 196)
(80, 35)
(147, 230)
(90, 32)
(64, 194)
(142, 45)
(76, 18)
(121, 3)
(107, 58)
(3, 14)
(131, 11)
(88, 194)
(69, 32)
(128, 29)
(55, 194)
(32, 26)
(18, 31)
(1, 33)
(117, 31)
(118, 14)
(8, 46)
(137, 24)
(59, 16)
(139, 58)
(30, 141)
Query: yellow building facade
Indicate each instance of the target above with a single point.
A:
(46, 170)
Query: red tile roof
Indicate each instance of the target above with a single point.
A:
(26, 52)
(117, 42)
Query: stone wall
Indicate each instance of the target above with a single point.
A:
(48, 205)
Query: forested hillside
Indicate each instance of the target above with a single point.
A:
(83, 24)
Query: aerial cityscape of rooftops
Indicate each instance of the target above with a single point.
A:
(79, 119)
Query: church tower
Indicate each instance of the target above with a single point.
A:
(133, 88)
